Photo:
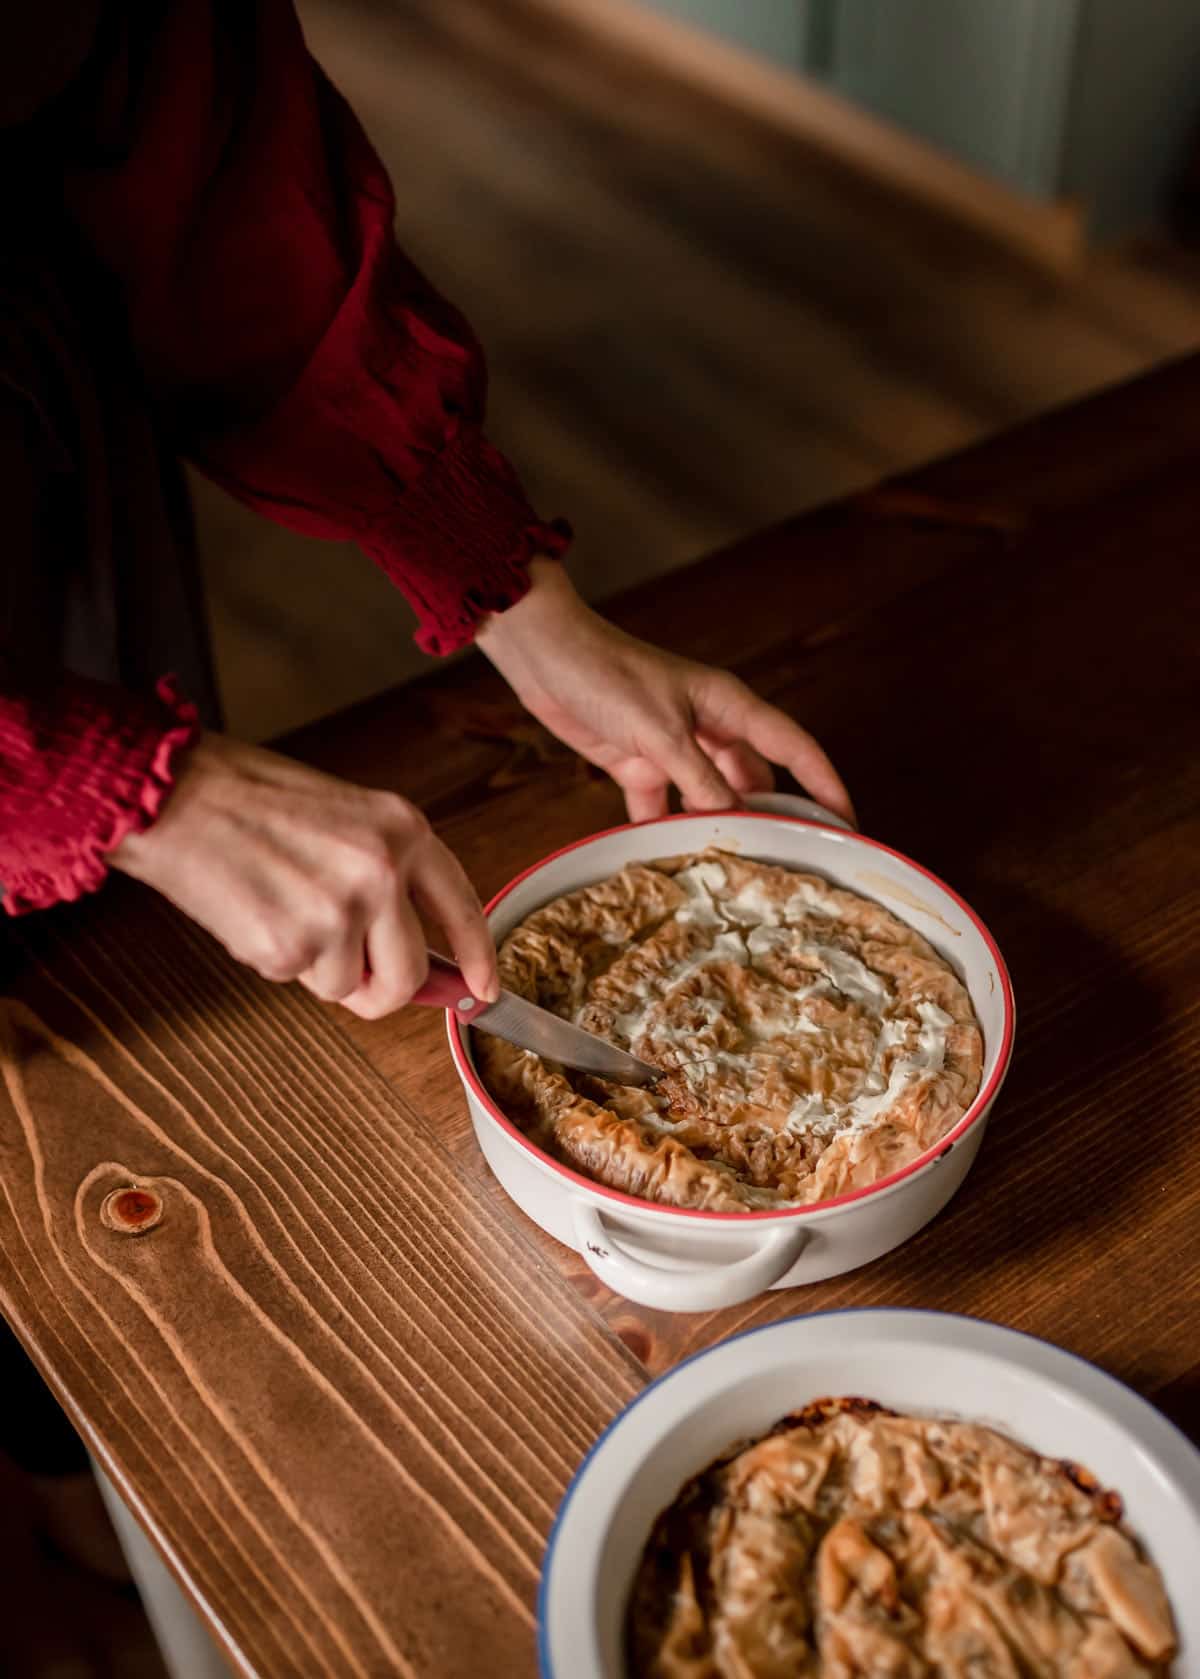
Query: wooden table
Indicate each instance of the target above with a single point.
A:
(344, 1382)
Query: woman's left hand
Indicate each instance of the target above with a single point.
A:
(647, 717)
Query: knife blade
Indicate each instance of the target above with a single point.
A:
(523, 1023)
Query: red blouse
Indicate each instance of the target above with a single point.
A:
(297, 357)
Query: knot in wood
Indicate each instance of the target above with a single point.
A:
(131, 1211)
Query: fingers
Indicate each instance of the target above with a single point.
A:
(338, 970)
(700, 782)
(738, 714)
(647, 789)
(381, 961)
(395, 960)
(746, 770)
(646, 803)
(645, 786)
(444, 892)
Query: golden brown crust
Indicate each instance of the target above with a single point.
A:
(813, 1041)
(851, 1542)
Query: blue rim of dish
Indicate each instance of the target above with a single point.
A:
(545, 1669)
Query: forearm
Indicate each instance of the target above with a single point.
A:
(295, 353)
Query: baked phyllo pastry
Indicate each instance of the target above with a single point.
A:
(852, 1543)
(811, 1041)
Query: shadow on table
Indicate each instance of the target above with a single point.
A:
(1180, 1400)
(1049, 1231)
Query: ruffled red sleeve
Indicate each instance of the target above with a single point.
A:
(81, 766)
(298, 356)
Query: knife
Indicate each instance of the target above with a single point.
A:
(529, 1027)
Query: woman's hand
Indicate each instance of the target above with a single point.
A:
(648, 718)
(305, 877)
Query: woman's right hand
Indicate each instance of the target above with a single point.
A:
(302, 876)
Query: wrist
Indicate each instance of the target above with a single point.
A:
(133, 854)
(550, 603)
(136, 852)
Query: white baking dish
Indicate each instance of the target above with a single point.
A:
(683, 1260)
(928, 1362)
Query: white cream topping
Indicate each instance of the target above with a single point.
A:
(845, 973)
(751, 906)
(877, 1094)
(785, 1025)
(629, 1026)
(807, 897)
(710, 875)
(790, 1019)
(659, 1121)
(700, 882)
(752, 924)
(851, 977)
(809, 1113)
(726, 947)
(864, 1110)
(931, 1039)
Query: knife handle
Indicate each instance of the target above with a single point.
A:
(445, 988)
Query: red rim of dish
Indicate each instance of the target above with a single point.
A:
(932, 1154)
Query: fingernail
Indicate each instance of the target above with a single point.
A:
(491, 992)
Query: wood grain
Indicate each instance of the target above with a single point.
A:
(1024, 617)
(344, 1381)
(314, 1379)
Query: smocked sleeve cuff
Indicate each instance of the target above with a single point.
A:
(81, 766)
(459, 538)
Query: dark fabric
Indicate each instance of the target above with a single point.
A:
(100, 578)
(99, 585)
(34, 1431)
(199, 249)
(298, 355)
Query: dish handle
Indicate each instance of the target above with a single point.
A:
(700, 1288)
